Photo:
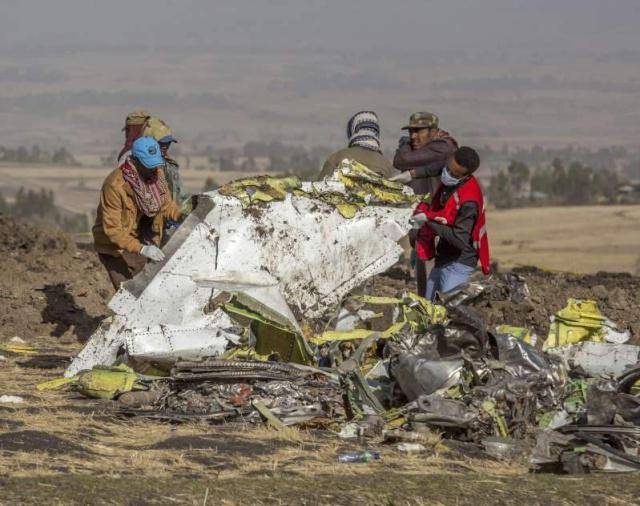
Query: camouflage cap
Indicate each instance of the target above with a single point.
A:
(136, 118)
(422, 120)
(158, 129)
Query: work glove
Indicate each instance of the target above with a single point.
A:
(418, 220)
(403, 177)
(152, 252)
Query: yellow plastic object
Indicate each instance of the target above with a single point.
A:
(99, 382)
(396, 423)
(374, 299)
(289, 346)
(394, 329)
(489, 407)
(415, 311)
(269, 417)
(586, 312)
(436, 314)
(580, 320)
(414, 307)
(522, 333)
(55, 383)
(370, 187)
(347, 210)
(244, 353)
(21, 349)
(108, 382)
(355, 173)
(341, 335)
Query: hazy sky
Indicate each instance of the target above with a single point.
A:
(484, 25)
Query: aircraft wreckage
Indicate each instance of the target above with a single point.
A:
(287, 250)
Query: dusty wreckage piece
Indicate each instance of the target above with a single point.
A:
(284, 244)
(220, 390)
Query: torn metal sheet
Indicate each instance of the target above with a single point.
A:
(166, 343)
(418, 376)
(598, 358)
(298, 256)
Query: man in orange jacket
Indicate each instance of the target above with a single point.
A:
(134, 203)
(456, 215)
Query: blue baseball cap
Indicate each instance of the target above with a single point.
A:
(167, 139)
(147, 151)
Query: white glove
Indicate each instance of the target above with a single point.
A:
(403, 177)
(418, 220)
(152, 253)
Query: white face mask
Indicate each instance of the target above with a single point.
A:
(447, 179)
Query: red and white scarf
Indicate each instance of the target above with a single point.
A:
(150, 193)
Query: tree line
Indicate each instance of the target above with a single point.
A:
(22, 154)
(39, 207)
(560, 183)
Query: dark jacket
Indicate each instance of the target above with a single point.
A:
(427, 161)
(456, 241)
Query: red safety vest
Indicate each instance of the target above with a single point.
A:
(469, 191)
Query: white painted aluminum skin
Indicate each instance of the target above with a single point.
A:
(296, 256)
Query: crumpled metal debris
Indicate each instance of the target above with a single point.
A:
(504, 287)
(436, 370)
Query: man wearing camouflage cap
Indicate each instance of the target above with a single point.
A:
(160, 131)
(423, 153)
(421, 156)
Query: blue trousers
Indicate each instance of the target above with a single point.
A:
(445, 278)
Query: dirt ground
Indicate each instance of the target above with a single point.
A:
(617, 294)
(49, 286)
(59, 448)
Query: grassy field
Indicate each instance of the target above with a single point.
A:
(577, 239)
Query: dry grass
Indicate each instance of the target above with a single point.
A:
(577, 239)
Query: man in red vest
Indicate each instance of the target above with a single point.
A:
(456, 216)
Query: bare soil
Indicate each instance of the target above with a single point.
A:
(617, 295)
(49, 286)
